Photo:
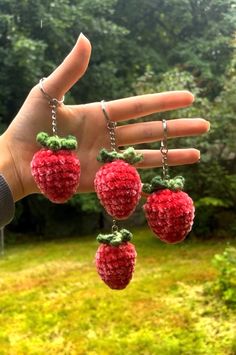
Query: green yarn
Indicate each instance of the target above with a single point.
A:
(158, 183)
(129, 155)
(116, 238)
(55, 142)
(69, 142)
(42, 138)
(177, 183)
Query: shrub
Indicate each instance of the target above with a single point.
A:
(225, 284)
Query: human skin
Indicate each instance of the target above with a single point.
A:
(88, 125)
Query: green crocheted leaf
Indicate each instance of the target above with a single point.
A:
(129, 155)
(116, 238)
(158, 183)
(55, 142)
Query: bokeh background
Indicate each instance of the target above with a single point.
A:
(179, 302)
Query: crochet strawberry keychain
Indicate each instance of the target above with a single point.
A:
(118, 186)
(115, 258)
(56, 167)
(169, 210)
(117, 183)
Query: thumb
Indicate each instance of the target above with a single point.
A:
(70, 70)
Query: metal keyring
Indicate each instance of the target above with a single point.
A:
(51, 100)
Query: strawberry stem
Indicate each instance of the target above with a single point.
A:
(157, 183)
(116, 238)
(129, 155)
(55, 142)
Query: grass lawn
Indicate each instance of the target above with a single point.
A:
(53, 302)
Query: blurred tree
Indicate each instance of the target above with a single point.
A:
(214, 190)
(191, 34)
(35, 37)
(138, 47)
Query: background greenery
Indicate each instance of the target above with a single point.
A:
(182, 299)
(138, 47)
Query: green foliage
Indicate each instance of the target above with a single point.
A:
(224, 286)
(128, 37)
(173, 79)
(81, 215)
(36, 35)
(193, 35)
(211, 201)
(138, 47)
(233, 346)
(214, 189)
(86, 202)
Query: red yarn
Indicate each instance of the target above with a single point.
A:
(56, 173)
(118, 187)
(115, 264)
(169, 214)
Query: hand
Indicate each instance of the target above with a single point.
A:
(88, 124)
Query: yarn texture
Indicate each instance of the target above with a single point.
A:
(117, 183)
(56, 168)
(169, 213)
(115, 259)
(118, 187)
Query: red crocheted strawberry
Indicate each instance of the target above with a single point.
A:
(169, 211)
(117, 183)
(55, 167)
(115, 259)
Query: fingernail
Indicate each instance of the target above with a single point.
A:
(81, 35)
(208, 126)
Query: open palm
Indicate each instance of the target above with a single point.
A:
(88, 124)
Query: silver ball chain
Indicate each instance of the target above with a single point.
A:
(164, 152)
(111, 128)
(53, 103)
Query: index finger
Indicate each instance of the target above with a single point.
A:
(144, 105)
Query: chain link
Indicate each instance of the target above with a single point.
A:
(53, 103)
(114, 227)
(54, 117)
(111, 126)
(164, 152)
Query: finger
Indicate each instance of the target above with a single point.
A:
(143, 105)
(153, 158)
(145, 132)
(70, 70)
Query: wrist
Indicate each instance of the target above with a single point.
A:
(8, 170)
(7, 206)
